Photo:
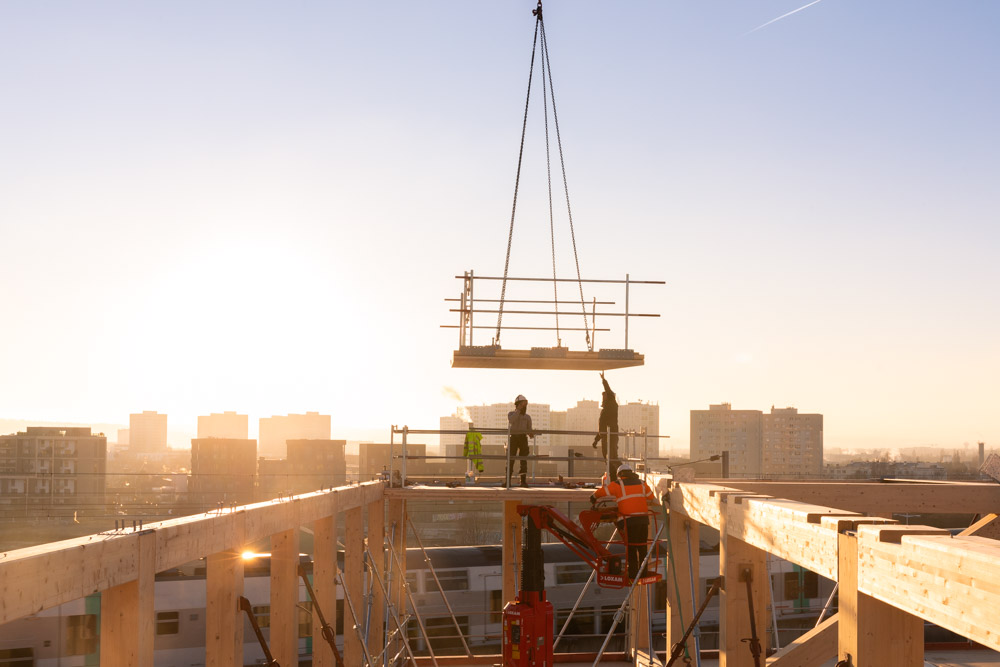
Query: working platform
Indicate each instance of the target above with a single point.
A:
(545, 358)
(532, 494)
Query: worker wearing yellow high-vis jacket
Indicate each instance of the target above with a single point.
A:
(473, 448)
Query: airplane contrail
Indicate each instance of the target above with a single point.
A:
(794, 11)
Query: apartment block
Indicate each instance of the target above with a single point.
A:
(275, 431)
(224, 425)
(223, 471)
(793, 443)
(147, 432)
(782, 443)
(45, 467)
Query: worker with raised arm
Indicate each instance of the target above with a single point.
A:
(634, 498)
(608, 422)
(519, 422)
(473, 449)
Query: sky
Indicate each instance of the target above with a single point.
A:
(262, 206)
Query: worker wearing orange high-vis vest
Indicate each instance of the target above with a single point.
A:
(633, 497)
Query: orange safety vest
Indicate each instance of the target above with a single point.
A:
(631, 497)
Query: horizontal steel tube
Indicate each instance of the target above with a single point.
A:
(550, 312)
(457, 326)
(568, 280)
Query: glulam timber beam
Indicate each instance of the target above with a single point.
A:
(949, 581)
(482, 494)
(875, 498)
(812, 649)
(63, 571)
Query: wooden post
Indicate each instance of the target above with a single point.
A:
(871, 632)
(638, 623)
(223, 618)
(683, 535)
(284, 635)
(511, 552)
(354, 528)
(324, 584)
(376, 539)
(128, 618)
(736, 558)
(397, 520)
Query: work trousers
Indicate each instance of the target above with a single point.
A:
(518, 447)
(635, 532)
(615, 461)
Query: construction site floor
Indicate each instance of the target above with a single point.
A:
(931, 659)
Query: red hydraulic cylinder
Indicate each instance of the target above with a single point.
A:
(527, 631)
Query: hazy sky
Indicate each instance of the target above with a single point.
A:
(260, 206)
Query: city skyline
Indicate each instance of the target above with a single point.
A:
(229, 207)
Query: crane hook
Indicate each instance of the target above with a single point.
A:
(538, 10)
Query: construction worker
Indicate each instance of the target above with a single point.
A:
(633, 497)
(473, 448)
(519, 423)
(608, 422)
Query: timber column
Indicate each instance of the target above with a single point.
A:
(738, 562)
(870, 632)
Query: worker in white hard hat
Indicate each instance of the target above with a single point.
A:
(634, 497)
(520, 430)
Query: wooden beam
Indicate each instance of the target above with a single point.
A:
(511, 552)
(812, 649)
(951, 582)
(284, 635)
(872, 633)
(354, 531)
(482, 494)
(71, 569)
(376, 537)
(223, 618)
(128, 618)
(876, 497)
(988, 526)
(787, 529)
(737, 560)
(324, 583)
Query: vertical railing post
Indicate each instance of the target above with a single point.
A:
(626, 311)
(406, 429)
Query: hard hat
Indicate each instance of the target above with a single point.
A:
(623, 467)
(520, 397)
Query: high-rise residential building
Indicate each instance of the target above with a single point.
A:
(451, 443)
(223, 471)
(276, 431)
(122, 437)
(782, 443)
(147, 432)
(495, 417)
(316, 464)
(44, 467)
(793, 443)
(224, 425)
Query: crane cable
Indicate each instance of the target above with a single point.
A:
(550, 91)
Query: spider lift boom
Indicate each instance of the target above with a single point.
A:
(527, 621)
